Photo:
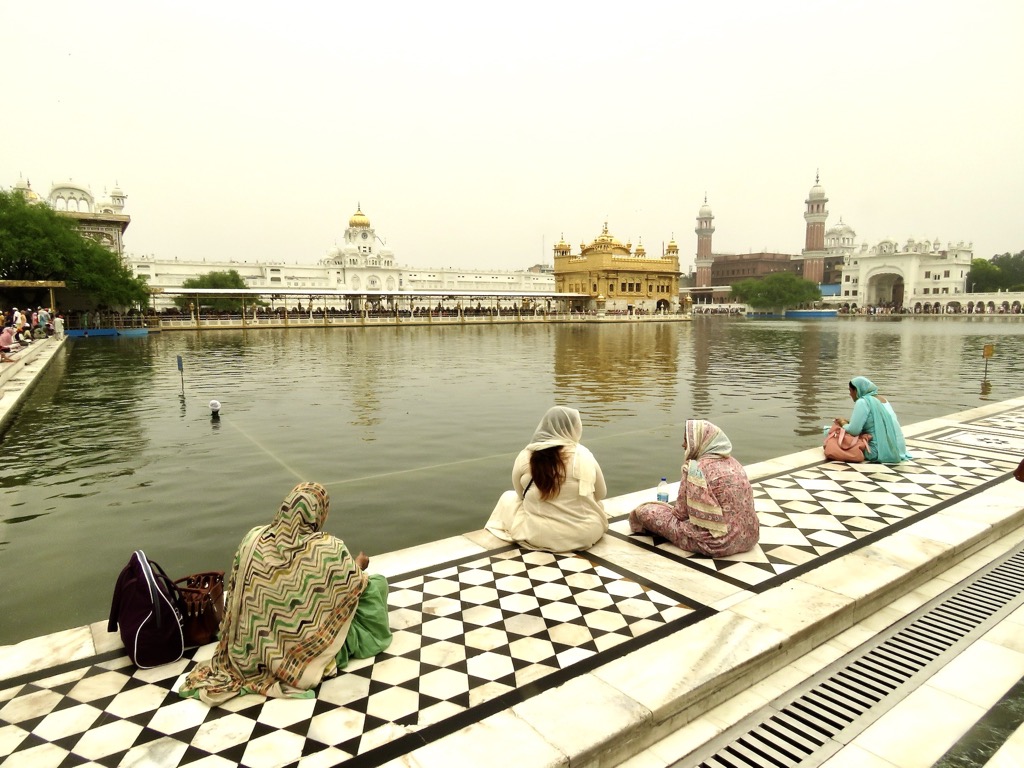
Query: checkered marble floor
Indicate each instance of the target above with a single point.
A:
(477, 635)
(825, 510)
(470, 638)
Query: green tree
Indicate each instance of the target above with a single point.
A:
(37, 243)
(776, 291)
(1012, 268)
(228, 280)
(984, 276)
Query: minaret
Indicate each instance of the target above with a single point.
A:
(562, 248)
(117, 199)
(705, 229)
(814, 243)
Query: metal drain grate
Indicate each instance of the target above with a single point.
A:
(852, 693)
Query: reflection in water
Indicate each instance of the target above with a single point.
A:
(364, 380)
(761, 367)
(414, 429)
(23, 518)
(605, 374)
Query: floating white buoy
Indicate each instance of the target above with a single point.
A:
(215, 406)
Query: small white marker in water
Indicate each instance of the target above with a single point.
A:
(215, 406)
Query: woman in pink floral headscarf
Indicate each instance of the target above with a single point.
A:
(714, 512)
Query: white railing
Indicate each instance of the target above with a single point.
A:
(304, 321)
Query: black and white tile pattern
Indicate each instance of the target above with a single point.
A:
(468, 637)
(826, 509)
(477, 635)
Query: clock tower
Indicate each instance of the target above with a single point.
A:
(360, 234)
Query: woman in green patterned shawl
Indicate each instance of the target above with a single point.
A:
(298, 607)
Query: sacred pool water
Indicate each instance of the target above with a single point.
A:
(412, 429)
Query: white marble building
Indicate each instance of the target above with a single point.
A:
(362, 262)
(917, 274)
(101, 219)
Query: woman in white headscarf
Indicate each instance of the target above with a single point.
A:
(556, 505)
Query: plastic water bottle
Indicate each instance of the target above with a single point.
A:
(663, 491)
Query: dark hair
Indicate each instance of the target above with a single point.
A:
(548, 470)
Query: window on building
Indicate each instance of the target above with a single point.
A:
(927, 275)
(945, 273)
(623, 287)
(595, 288)
(611, 287)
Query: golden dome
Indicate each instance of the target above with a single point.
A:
(606, 243)
(358, 219)
(25, 188)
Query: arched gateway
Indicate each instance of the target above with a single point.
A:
(885, 287)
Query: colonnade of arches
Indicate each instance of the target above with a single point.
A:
(941, 308)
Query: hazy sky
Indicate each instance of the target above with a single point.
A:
(476, 134)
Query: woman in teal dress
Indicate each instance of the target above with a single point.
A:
(872, 414)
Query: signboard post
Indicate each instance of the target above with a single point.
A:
(987, 352)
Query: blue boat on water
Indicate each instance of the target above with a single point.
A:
(81, 333)
(809, 314)
(794, 314)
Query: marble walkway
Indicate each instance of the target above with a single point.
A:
(631, 653)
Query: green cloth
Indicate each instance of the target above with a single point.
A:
(872, 416)
(369, 633)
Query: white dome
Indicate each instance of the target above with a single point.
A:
(70, 186)
(842, 228)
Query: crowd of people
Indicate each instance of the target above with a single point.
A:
(300, 606)
(22, 327)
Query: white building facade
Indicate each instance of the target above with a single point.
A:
(362, 262)
(919, 276)
(100, 219)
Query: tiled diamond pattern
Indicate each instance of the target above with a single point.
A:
(474, 636)
(466, 635)
(821, 509)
